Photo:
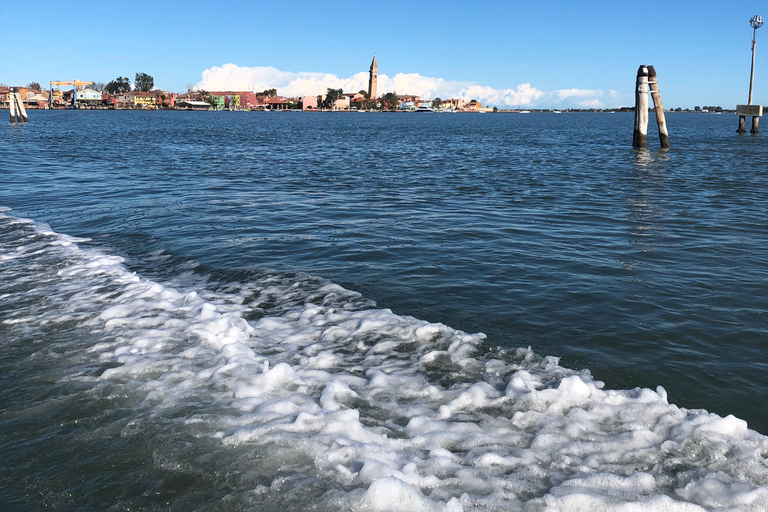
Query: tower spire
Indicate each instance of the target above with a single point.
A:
(373, 78)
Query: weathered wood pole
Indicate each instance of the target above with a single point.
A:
(20, 108)
(12, 106)
(640, 136)
(658, 106)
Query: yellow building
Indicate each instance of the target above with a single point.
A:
(144, 100)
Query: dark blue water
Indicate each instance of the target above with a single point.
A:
(646, 267)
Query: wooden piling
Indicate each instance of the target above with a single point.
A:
(16, 108)
(21, 108)
(658, 106)
(640, 136)
(12, 106)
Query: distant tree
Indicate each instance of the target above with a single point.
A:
(331, 96)
(34, 85)
(364, 93)
(697, 108)
(206, 97)
(98, 86)
(391, 100)
(119, 85)
(144, 82)
(437, 103)
(272, 93)
(190, 86)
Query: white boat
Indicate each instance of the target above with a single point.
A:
(423, 109)
(525, 111)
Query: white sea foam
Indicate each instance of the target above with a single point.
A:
(395, 413)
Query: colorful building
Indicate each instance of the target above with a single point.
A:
(309, 103)
(143, 100)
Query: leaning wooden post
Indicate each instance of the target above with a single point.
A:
(640, 137)
(658, 107)
(21, 109)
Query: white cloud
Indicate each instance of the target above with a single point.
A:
(234, 77)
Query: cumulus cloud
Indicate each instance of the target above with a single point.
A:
(233, 77)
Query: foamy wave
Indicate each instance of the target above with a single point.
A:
(394, 413)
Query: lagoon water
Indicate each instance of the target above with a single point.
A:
(287, 311)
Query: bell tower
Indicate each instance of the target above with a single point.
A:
(373, 78)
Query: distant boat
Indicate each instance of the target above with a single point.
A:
(525, 111)
(423, 109)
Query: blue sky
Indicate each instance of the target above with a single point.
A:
(542, 54)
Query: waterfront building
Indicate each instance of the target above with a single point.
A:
(187, 104)
(309, 103)
(143, 100)
(88, 98)
(453, 104)
(276, 103)
(473, 106)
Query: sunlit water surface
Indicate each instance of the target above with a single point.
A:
(231, 311)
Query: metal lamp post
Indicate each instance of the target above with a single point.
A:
(756, 22)
(744, 110)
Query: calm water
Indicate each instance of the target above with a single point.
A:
(131, 232)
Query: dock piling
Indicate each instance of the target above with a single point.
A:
(658, 107)
(640, 135)
(16, 107)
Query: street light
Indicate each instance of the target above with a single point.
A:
(755, 22)
(755, 111)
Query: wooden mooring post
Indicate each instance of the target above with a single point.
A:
(658, 106)
(647, 82)
(16, 107)
(640, 135)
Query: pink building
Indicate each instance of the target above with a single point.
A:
(309, 103)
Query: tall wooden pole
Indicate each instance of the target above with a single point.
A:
(640, 136)
(658, 106)
(21, 109)
(12, 106)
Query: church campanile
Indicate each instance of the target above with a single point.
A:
(373, 78)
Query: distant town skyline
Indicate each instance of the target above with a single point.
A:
(559, 54)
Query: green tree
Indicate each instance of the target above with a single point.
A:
(119, 85)
(331, 96)
(144, 82)
(437, 103)
(272, 93)
(364, 93)
(390, 100)
(34, 85)
(206, 97)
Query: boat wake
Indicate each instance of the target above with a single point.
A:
(271, 390)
